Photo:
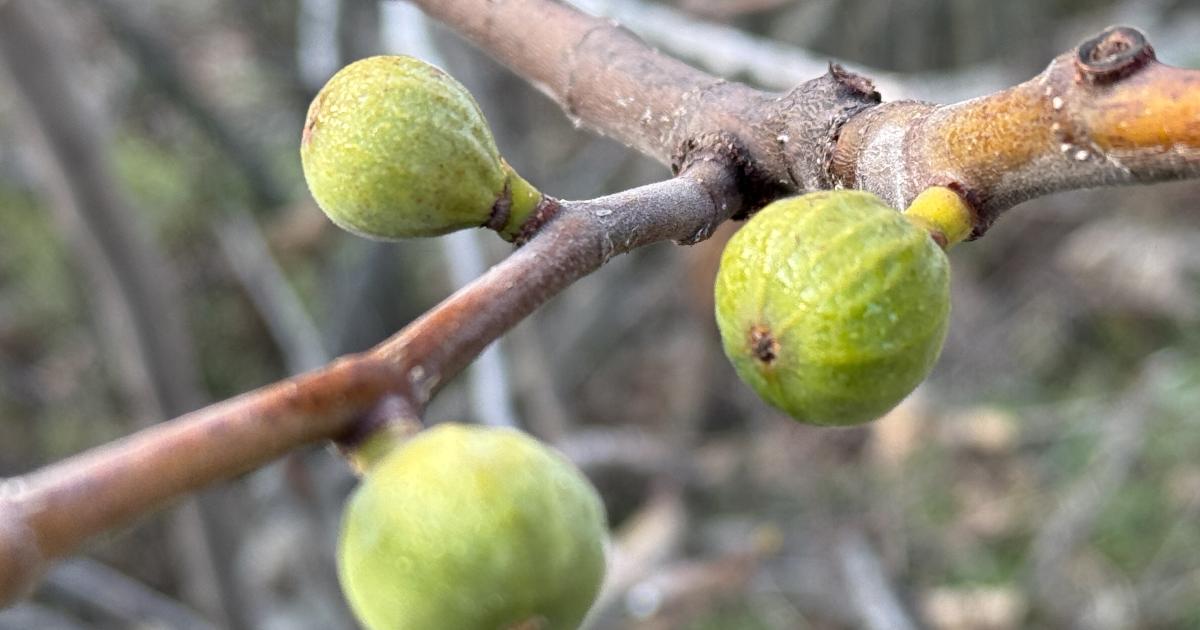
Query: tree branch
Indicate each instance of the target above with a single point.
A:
(607, 79)
(1105, 113)
(47, 514)
(735, 149)
(598, 72)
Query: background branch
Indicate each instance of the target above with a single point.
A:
(293, 330)
(732, 52)
(130, 277)
(1122, 440)
(101, 590)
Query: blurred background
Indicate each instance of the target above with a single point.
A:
(158, 251)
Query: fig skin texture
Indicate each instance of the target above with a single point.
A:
(394, 147)
(472, 528)
(832, 306)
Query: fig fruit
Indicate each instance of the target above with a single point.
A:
(472, 528)
(393, 147)
(832, 306)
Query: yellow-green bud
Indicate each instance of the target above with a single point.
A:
(394, 147)
(943, 212)
(472, 528)
(832, 306)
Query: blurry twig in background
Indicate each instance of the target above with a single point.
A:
(690, 590)
(615, 311)
(870, 593)
(158, 62)
(1168, 584)
(317, 56)
(1070, 524)
(123, 265)
(626, 448)
(726, 9)
(731, 52)
(129, 276)
(96, 589)
(285, 316)
(27, 615)
(648, 539)
(546, 412)
(354, 286)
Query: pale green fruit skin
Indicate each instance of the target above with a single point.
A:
(472, 528)
(856, 297)
(394, 148)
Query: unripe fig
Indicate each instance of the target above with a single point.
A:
(472, 528)
(394, 147)
(832, 306)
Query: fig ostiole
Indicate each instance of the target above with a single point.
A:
(472, 528)
(832, 306)
(394, 147)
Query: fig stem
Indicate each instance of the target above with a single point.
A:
(385, 439)
(523, 202)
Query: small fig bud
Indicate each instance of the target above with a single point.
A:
(832, 306)
(472, 528)
(943, 213)
(394, 147)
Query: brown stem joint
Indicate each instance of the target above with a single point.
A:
(1116, 53)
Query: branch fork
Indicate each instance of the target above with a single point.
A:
(1124, 118)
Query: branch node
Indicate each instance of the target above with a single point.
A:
(858, 85)
(755, 184)
(547, 208)
(1116, 53)
(812, 115)
(391, 410)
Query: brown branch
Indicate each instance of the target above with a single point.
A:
(47, 514)
(1105, 113)
(736, 149)
(599, 73)
(160, 63)
(607, 79)
(113, 596)
(578, 241)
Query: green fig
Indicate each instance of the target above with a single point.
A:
(394, 148)
(472, 528)
(832, 306)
